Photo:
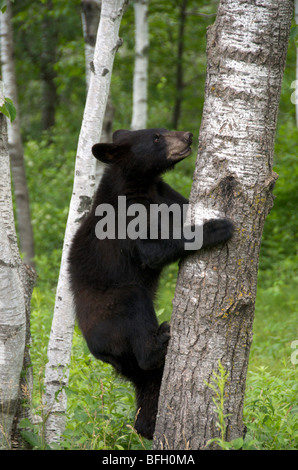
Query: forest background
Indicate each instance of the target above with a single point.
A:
(48, 42)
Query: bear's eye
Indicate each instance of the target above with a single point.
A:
(156, 137)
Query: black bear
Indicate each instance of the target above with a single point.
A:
(114, 276)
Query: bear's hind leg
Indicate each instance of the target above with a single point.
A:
(147, 393)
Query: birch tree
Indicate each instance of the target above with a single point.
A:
(179, 65)
(90, 12)
(59, 348)
(16, 150)
(140, 79)
(215, 295)
(296, 82)
(16, 284)
(48, 58)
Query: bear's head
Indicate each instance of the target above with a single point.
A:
(145, 151)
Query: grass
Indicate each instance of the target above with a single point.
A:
(101, 406)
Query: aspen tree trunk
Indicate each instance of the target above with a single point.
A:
(216, 289)
(16, 284)
(179, 71)
(47, 61)
(16, 150)
(90, 12)
(140, 79)
(296, 82)
(59, 348)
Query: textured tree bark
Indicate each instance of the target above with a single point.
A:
(16, 283)
(215, 296)
(16, 150)
(139, 112)
(59, 348)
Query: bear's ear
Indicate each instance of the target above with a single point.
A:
(121, 135)
(107, 153)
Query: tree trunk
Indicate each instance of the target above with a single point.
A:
(296, 81)
(16, 151)
(16, 284)
(179, 72)
(90, 12)
(47, 62)
(140, 79)
(215, 296)
(90, 20)
(59, 348)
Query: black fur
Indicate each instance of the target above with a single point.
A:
(114, 280)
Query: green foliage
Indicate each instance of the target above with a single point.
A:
(8, 109)
(271, 408)
(3, 5)
(217, 385)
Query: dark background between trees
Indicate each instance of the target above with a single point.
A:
(50, 66)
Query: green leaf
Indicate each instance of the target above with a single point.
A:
(33, 439)
(237, 443)
(8, 109)
(26, 423)
(294, 32)
(4, 110)
(11, 109)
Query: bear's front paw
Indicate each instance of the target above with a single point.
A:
(216, 231)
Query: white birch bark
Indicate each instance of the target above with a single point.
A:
(296, 82)
(90, 13)
(14, 300)
(140, 79)
(12, 305)
(59, 348)
(215, 295)
(16, 151)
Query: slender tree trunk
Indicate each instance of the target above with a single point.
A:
(90, 12)
(16, 283)
(47, 62)
(16, 150)
(179, 71)
(216, 289)
(59, 348)
(296, 82)
(139, 113)
(90, 21)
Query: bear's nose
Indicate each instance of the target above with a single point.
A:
(188, 137)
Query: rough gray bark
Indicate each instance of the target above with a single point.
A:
(140, 79)
(16, 150)
(16, 284)
(215, 296)
(59, 348)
